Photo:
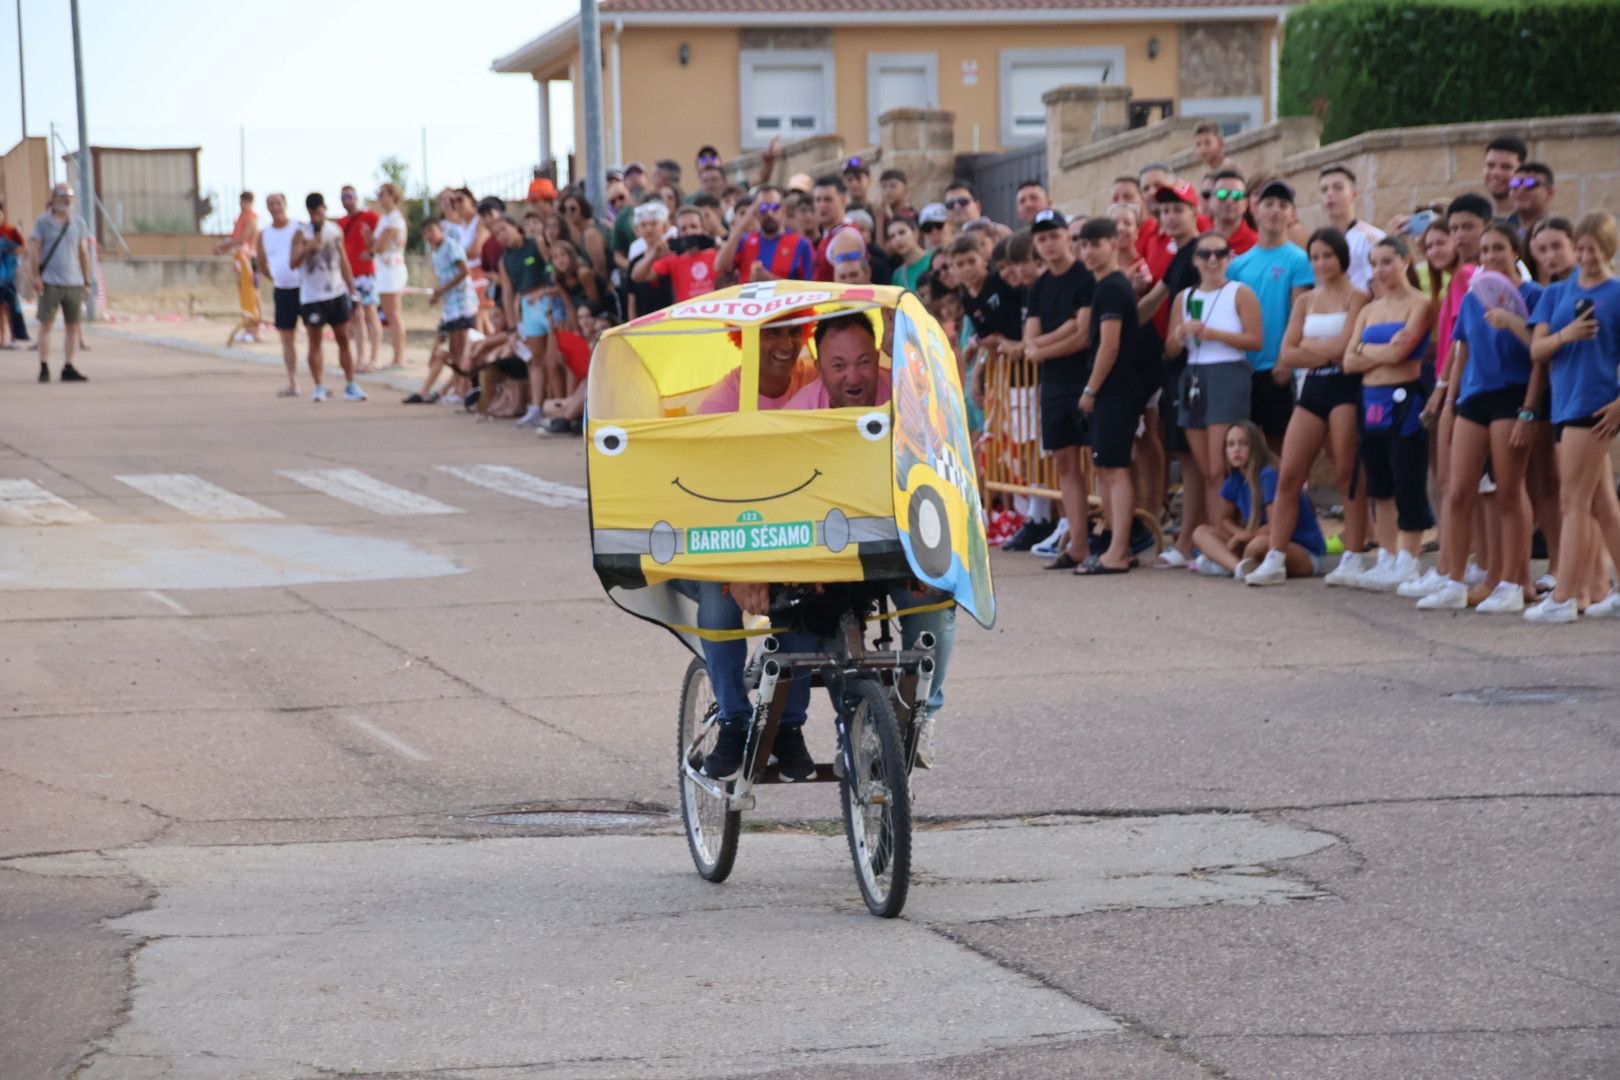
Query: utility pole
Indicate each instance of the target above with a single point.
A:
(22, 83)
(87, 189)
(241, 159)
(427, 191)
(590, 51)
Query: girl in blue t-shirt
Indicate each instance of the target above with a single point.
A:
(1493, 392)
(1234, 544)
(1576, 328)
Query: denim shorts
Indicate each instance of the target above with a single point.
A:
(535, 315)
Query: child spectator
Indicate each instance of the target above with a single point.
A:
(688, 261)
(1232, 545)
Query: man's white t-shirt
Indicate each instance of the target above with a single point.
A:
(322, 268)
(1360, 237)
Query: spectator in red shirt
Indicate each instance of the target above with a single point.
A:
(12, 247)
(687, 261)
(1230, 203)
(365, 330)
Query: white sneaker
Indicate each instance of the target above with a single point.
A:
(1273, 570)
(1551, 611)
(1431, 581)
(1546, 583)
(1376, 572)
(1352, 564)
(1390, 573)
(1506, 599)
(1450, 596)
(1203, 564)
(450, 398)
(1172, 558)
(925, 743)
(530, 417)
(1606, 608)
(320, 394)
(353, 392)
(1243, 568)
(1475, 575)
(1058, 541)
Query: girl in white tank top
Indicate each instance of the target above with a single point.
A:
(1217, 310)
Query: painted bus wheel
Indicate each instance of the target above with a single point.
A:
(930, 531)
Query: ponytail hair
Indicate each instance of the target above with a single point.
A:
(1398, 246)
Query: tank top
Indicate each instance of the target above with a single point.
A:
(278, 249)
(1218, 312)
(393, 225)
(1326, 324)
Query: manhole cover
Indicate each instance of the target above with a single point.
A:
(1524, 695)
(576, 819)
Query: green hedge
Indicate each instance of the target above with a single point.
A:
(1367, 64)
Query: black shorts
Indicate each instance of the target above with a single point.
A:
(1114, 418)
(287, 309)
(1062, 423)
(1322, 393)
(512, 367)
(1270, 406)
(1583, 422)
(1493, 405)
(333, 312)
(450, 326)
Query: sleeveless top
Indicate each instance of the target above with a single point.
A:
(1218, 311)
(391, 221)
(1383, 333)
(278, 250)
(1326, 324)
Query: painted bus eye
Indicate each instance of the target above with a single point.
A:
(611, 440)
(874, 426)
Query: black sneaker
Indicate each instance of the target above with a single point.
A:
(470, 402)
(793, 758)
(1028, 535)
(1141, 537)
(726, 759)
(44, 372)
(72, 374)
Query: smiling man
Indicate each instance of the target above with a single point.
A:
(849, 365)
(780, 373)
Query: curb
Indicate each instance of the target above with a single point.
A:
(406, 383)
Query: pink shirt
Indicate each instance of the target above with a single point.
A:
(1450, 307)
(726, 395)
(814, 396)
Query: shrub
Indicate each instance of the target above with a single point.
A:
(1367, 64)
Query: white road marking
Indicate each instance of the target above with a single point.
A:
(168, 601)
(518, 484)
(354, 486)
(197, 497)
(23, 502)
(393, 742)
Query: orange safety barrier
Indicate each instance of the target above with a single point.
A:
(1011, 461)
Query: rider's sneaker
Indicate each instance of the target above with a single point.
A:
(925, 743)
(793, 760)
(726, 759)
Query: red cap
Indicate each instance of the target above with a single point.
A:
(1178, 191)
(542, 188)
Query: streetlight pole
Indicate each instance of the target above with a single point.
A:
(590, 51)
(22, 83)
(87, 188)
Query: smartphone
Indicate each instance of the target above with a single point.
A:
(1582, 306)
(1419, 223)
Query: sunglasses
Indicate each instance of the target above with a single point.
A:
(1211, 254)
(1230, 194)
(769, 207)
(853, 163)
(1524, 182)
(709, 159)
(956, 204)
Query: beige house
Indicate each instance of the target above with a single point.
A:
(735, 73)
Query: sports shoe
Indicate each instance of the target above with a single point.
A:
(1606, 608)
(793, 760)
(1058, 541)
(1475, 574)
(1546, 583)
(73, 374)
(450, 397)
(319, 395)
(556, 426)
(1506, 599)
(1431, 581)
(1352, 564)
(726, 759)
(1171, 558)
(352, 392)
(1380, 566)
(1029, 534)
(470, 402)
(1203, 564)
(1273, 570)
(1551, 611)
(1243, 568)
(1390, 574)
(44, 372)
(1450, 596)
(530, 417)
(925, 743)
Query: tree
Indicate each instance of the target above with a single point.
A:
(393, 169)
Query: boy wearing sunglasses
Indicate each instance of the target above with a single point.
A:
(1531, 191)
(761, 247)
(1229, 210)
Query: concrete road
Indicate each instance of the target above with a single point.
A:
(321, 753)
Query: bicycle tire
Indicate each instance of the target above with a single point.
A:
(711, 829)
(881, 854)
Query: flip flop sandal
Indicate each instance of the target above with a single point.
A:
(1094, 567)
(1064, 561)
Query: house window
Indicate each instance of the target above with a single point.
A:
(786, 94)
(899, 81)
(1026, 74)
(1234, 114)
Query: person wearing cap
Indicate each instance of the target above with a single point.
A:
(1279, 272)
(60, 259)
(858, 184)
(934, 226)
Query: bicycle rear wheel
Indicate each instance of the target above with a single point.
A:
(711, 829)
(877, 801)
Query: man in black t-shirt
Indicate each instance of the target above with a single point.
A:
(1057, 336)
(1112, 396)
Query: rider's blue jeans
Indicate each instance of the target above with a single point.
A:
(727, 659)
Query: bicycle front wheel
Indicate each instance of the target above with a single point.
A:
(877, 801)
(711, 829)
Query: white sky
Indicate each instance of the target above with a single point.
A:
(324, 88)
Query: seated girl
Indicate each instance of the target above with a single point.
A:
(1235, 544)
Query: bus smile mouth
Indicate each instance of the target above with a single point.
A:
(752, 499)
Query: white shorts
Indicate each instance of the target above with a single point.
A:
(390, 273)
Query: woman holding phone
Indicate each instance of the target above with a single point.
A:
(1576, 330)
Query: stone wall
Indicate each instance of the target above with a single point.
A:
(920, 143)
(816, 156)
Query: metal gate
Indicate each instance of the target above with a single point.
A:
(997, 177)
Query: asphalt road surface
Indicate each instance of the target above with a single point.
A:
(322, 754)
